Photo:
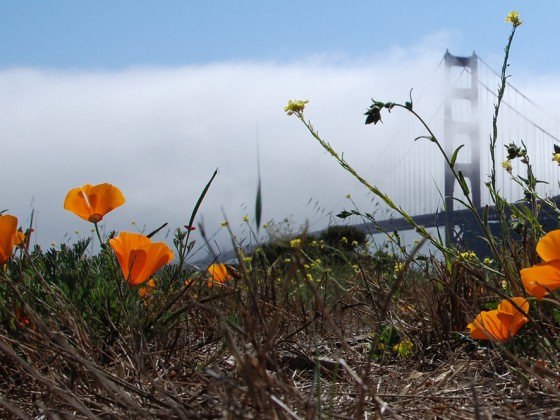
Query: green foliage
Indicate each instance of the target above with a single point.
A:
(382, 341)
(343, 237)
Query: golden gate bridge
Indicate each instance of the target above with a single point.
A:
(418, 176)
(458, 107)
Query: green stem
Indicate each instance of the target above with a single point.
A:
(501, 91)
(375, 190)
(98, 235)
(471, 205)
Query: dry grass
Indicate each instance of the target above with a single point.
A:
(271, 345)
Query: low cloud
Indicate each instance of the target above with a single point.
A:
(159, 133)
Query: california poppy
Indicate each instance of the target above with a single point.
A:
(139, 257)
(20, 238)
(543, 278)
(218, 274)
(147, 289)
(9, 236)
(92, 202)
(23, 320)
(502, 323)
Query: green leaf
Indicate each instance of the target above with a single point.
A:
(201, 198)
(463, 183)
(430, 138)
(151, 234)
(454, 157)
(258, 206)
(373, 115)
(345, 213)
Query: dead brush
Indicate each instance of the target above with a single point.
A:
(268, 344)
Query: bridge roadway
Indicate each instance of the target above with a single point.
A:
(463, 221)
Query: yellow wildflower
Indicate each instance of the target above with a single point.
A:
(295, 243)
(506, 164)
(295, 107)
(513, 18)
(404, 348)
(467, 255)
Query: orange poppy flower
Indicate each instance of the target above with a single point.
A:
(92, 202)
(502, 323)
(139, 257)
(20, 238)
(148, 288)
(218, 274)
(543, 278)
(9, 236)
(23, 320)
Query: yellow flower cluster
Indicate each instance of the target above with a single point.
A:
(295, 107)
(315, 243)
(295, 243)
(467, 255)
(513, 18)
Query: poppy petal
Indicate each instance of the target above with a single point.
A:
(149, 260)
(218, 274)
(137, 266)
(510, 316)
(487, 326)
(105, 197)
(76, 202)
(507, 307)
(8, 229)
(548, 247)
(539, 279)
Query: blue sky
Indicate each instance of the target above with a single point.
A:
(153, 96)
(116, 34)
